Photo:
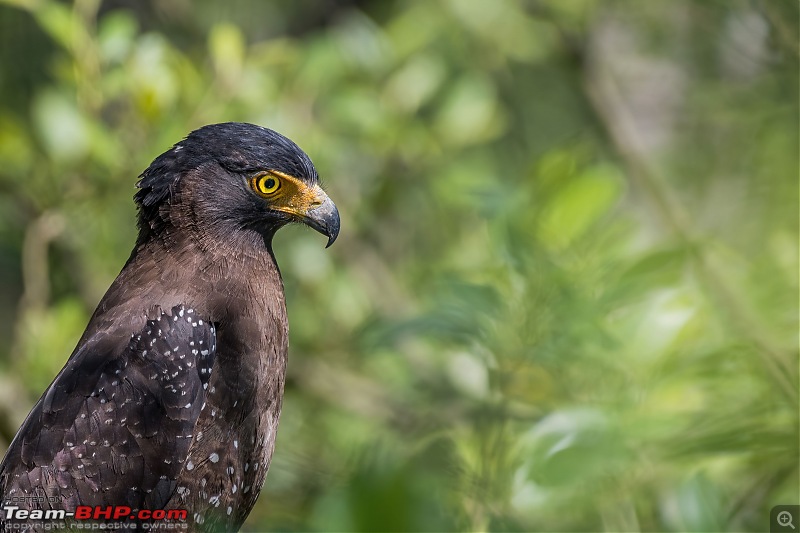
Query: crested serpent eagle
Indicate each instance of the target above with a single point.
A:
(172, 396)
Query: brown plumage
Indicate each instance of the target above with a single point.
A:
(172, 396)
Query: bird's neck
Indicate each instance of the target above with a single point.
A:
(222, 277)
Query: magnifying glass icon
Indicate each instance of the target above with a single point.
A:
(785, 519)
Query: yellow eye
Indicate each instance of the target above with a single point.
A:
(266, 184)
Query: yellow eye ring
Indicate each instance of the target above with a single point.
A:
(265, 184)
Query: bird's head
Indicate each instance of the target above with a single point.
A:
(231, 177)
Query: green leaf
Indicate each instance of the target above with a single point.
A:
(580, 203)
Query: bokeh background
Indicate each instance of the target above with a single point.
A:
(565, 294)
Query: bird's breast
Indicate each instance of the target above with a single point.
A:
(235, 435)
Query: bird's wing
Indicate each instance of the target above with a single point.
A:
(115, 425)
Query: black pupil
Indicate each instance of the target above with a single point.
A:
(270, 183)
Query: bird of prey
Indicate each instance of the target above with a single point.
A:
(172, 396)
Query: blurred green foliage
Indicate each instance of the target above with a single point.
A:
(565, 296)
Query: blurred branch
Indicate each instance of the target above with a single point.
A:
(28, 5)
(753, 495)
(787, 36)
(35, 269)
(12, 409)
(609, 105)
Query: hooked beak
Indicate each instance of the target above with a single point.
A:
(324, 218)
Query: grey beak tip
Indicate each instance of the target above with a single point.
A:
(325, 219)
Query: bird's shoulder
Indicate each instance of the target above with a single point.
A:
(116, 423)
